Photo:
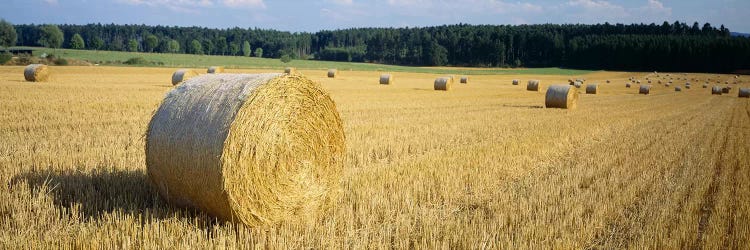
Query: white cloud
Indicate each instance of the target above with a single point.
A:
(599, 9)
(341, 2)
(189, 5)
(654, 7)
(503, 7)
(245, 3)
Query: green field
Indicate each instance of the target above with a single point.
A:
(201, 61)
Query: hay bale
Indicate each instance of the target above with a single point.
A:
(533, 85)
(638, 82)
(627, 85)
(659, 81)
(332, 73)
(290, 70)
(465, 79)
(667, 84)
(571, 82)
(687, 86)
(677, 89)
(725, 90)
(182, 75)
(36, 73)
(386, 79)
(561, 96)
(516, 81)
(250, 148)
(744, 93)
(644, 89)
(215, 69)
(592, 89)
(716, 90)
(578, 84)
(705, 85)
(443, 83)
(607, 81)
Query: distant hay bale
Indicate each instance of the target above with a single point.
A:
(183, 75)
(443, 83)
(644, 89)
(465, 79)
(332, 73)
(215, 69)
(578, 84)
(677, 89)
(705, 85)
(36, 73)
(659, 81)
(716, 90)
(744, 93)
(386, 79)
(667, 84)
(627, 85)
(725, 90)
(516, 81)
(592, 89)
(687, 86)
(607, 81)
(251, 148)
(533, 85)
(571, 82)
(561, 96)
(290, 70)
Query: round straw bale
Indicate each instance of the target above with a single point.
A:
(578, 84)
(744, 92)
(725, 90)
(465, 79)
(443, 83)
(716, 90)
(36, 73)
(592, 89)
(561, 96)
(386, 79)
(533, 85)
(667, 84)
(332, 73)
(250, 148)
(644, 89)
(571, 82)
(607, 81)
(182, 75)
(705, 85)
(290, 70)
(638, 82)
(677, 89)
(215, 69)
(687, 86)
(627, 85)
(516, 81)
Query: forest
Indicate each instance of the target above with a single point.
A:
(667, 47)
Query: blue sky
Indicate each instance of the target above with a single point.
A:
(315, 15)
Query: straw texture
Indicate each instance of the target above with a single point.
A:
(592, 89)
(744, 92)
(386, 79)
(561, 96)
(443, 83)
(533, 85)
(215, 69)
(644, 89)
(182, 75)
(249, 148)
(36, 73)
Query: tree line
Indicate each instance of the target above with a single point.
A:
(666, 47)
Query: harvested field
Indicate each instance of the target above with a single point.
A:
(422, 169)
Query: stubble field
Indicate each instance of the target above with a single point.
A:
(482, 166)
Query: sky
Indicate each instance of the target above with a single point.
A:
(316, 15)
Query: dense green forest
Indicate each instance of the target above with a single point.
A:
(666, 47)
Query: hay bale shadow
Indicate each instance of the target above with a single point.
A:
(523, 106)
(102, 192)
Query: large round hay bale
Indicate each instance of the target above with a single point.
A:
(443, 83)
(561, 96)
(215, 69)
(386, 79)
(533, 85)
(182, 75)
(644, 89)
(465, 79)
(592, 89)
(290, 70)
(744, 92)
(516, 81)
(716, 90)
(36, 73)
(332, 73)
(250, 148)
